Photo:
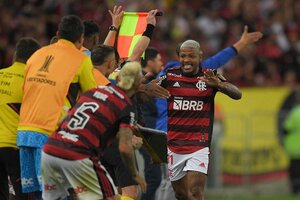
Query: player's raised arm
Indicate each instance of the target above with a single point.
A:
(247, 39)
(116, 18)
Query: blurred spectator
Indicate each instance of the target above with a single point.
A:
(291, 143)
(215, 23)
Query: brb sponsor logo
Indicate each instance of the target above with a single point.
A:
(180, 104)
(80, 189)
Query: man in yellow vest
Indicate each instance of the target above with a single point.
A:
(54, 76)
(11, 80)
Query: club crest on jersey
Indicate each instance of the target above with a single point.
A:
(201, 85)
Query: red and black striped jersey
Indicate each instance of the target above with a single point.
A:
(91, 125)
(190, 111)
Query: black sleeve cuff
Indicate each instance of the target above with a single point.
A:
(149, 30)
(236, 52)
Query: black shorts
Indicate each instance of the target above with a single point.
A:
(10, 166)
(112, 161)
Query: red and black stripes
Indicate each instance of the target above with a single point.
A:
(91, 123)
(106, 184)
(190, 111)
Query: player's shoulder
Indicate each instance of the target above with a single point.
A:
(3, 70)
(175, 71)
(9, 69)
(40, 54)
(112, 90)
(207, 69)
(64, 46)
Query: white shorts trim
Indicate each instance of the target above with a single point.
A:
(179, 164)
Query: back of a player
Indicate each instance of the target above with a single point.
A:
(49, 72)
(73, 150)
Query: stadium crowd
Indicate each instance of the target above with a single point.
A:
(215, 23)
(270, 62)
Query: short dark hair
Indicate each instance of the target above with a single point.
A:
(54, 39)
(100, 53)
(70, 28)
(25, 47)
(150, 54)
(90, 28)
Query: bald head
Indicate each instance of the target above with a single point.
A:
(191, 44)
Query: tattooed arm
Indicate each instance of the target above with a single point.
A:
(126, 149)
(214, 80)
(230, 90)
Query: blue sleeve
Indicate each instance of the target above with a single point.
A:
(114, 82)
(220, 58)
(161, 73)
(87, 52)
(162, 114)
